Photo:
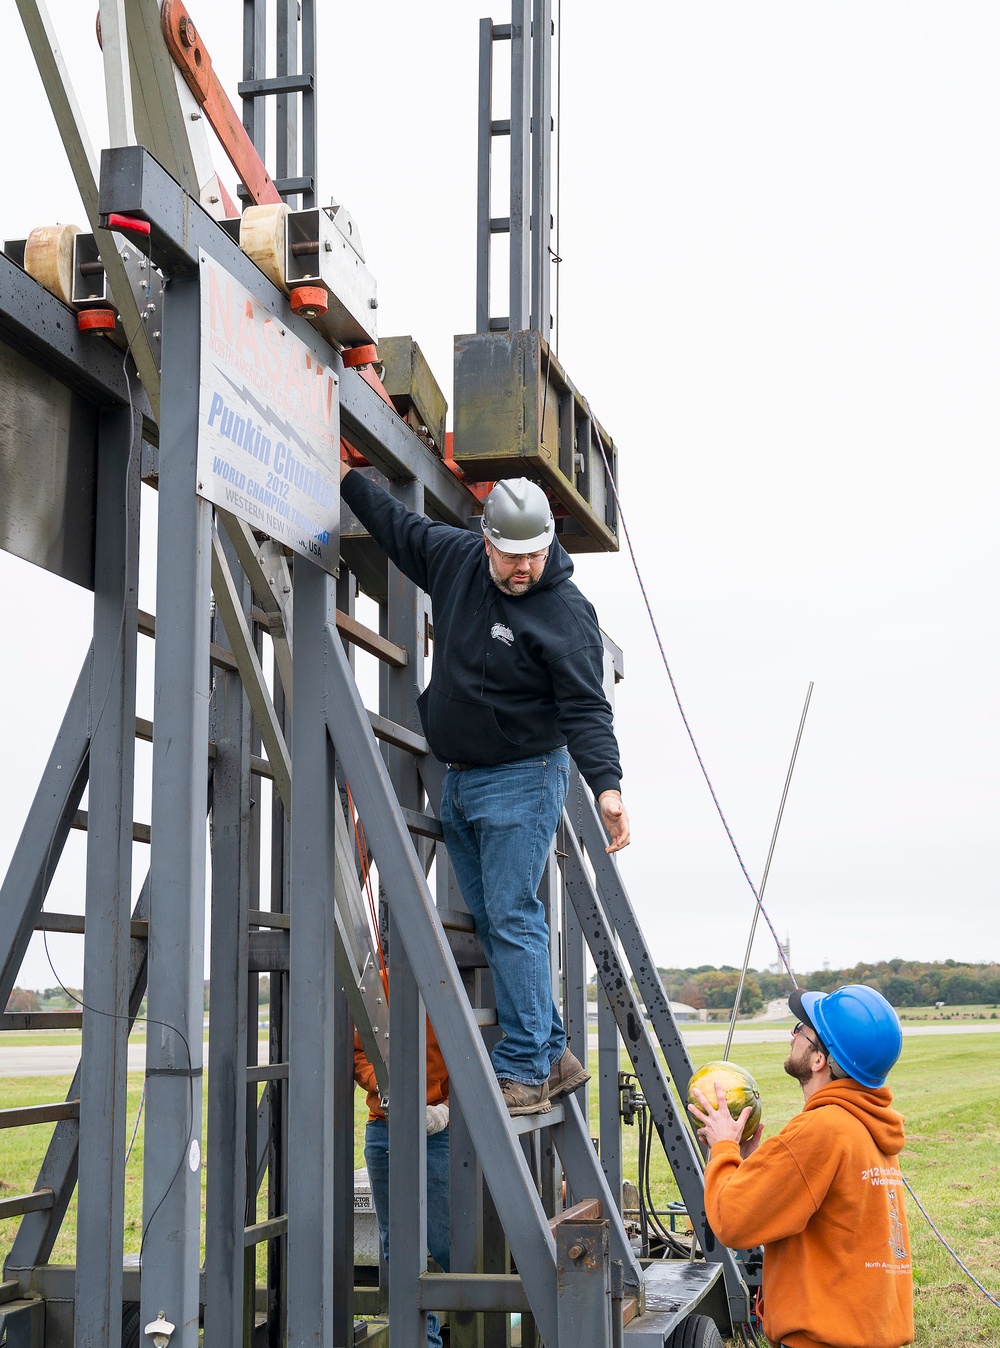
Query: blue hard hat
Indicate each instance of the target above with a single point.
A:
(857, 1027)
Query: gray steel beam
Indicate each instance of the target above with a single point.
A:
(276, 1091)
(308, 107)
(44, 833)
(107, 972)
(520, 165)
(584, 1271)
(172, 1178)
(416, 922)
(229, 1205)
(574, 966)
(286, 140)
(484, 175)
(343, 1170)
(255, 68)
(609, 1098)
(312, 991)
(407, 1042)
(541, 165)
(407, 1148)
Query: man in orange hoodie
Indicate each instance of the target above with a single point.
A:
(824, 1196)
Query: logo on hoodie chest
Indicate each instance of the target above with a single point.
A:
(500, 632)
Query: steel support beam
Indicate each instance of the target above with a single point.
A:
(483, 246)
(231, 1189)
(172, 1178)
(107, 972)
(520, 166)
(312, 991)
(541, 166)
(583, 1265)
(44, 833)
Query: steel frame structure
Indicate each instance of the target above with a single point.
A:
(221, 729)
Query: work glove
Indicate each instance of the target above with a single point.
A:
(437, 1118)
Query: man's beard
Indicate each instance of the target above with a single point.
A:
(515, 588)
(800, 1070)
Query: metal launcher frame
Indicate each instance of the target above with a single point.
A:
(536, 1209)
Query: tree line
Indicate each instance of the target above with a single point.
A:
(901, 982)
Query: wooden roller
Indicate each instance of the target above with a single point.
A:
(262, 238)
(48, 257)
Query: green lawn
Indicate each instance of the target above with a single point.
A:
(944, 1085)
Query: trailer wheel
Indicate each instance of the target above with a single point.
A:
(696, 1331)
(130, 1324)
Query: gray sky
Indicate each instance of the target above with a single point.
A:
(779, 226)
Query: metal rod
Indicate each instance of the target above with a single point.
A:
(767, 867)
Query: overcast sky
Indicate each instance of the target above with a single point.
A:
(780, 292)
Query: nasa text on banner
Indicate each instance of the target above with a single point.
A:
(268, 422)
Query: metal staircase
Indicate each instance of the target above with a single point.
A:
(250, 765)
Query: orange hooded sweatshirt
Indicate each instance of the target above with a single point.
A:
(825, 1199)
(437, 1073)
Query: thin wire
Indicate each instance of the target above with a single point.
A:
(680, 707)
(767, 871)
(142, 1101)
(967, 1271)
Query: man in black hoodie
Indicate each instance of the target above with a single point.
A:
(516, 687)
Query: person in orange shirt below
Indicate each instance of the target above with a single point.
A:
(824, 1196)
(377, 1159)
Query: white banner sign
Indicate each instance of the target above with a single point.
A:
(268, 422)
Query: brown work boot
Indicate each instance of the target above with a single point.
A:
(520, 1098)
(567, 1076)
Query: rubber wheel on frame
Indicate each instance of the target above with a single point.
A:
(696, 1331)
(130, 1324)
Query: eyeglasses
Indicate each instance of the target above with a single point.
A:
(532, 558)
(799, 1028)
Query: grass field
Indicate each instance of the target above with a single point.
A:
(944, 1085)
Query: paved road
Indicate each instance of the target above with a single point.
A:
(57, 1060)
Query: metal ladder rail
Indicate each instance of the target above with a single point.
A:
(529, 128)
(294, 90)
(679, 1145)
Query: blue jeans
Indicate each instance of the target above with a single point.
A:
(498, 825)
(438, 1229)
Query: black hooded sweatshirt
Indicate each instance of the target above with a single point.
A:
(513, 676)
